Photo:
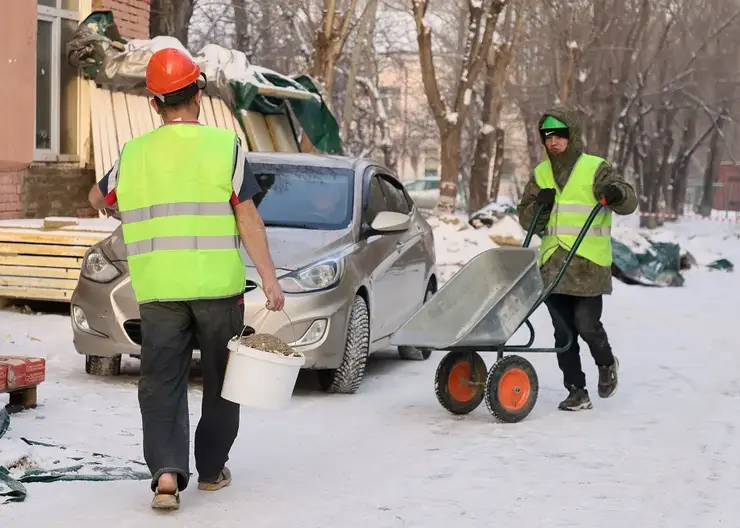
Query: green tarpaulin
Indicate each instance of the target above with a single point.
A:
(66, 466)
(655, 263)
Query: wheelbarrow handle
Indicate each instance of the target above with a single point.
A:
(572, 253)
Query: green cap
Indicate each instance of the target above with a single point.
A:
(550, 123)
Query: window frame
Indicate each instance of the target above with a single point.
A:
(54, 15)
(381, 173)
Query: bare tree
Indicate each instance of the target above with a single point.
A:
(450, 118)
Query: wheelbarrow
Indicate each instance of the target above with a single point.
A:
(478, 310)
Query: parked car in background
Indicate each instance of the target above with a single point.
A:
(354, 256)
(425, 192)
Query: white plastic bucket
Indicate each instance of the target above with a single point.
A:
(260, 379)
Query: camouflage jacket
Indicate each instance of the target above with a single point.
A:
(583, 277)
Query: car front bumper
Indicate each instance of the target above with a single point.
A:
(106, 321)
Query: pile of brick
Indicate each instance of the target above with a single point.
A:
(20, 376)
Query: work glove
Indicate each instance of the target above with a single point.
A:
(546, 197)
(612, 194)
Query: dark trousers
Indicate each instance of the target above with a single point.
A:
(582, 316)
(168, 332)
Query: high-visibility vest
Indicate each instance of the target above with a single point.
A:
(571, 210)
(174, 189)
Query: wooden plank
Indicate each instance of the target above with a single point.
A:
(41, 294)
(42, 262)
(43, 249)
(122, 120)
(35, 282)
(240, 132)
(156, 119)
(284, 93)
(107, 135)
(218, 111)
(281, 132)
(30, 271)
(144, 111)
(67, 239)
(207, 113)
(259, 135)
(96, 119)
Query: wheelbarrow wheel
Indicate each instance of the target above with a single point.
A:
(460, 382)
(511, 389)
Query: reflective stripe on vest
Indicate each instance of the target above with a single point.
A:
(174, 190)
(175, 209)
(573, 204)
(181, 243)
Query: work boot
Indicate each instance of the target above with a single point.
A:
(166, 501)
(609, 379)
(224, 479)
(577, 400)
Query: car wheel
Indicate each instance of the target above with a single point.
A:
(103, 366)
(413, 353)
(347, 378)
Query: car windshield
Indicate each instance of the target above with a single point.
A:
(304, 197)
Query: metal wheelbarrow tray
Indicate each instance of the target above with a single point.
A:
(478, 310)
(481, 306)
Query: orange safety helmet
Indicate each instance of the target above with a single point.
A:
(170, 70)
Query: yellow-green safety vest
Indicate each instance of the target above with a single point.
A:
(174, 188)
(571, 210)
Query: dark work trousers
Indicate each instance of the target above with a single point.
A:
(582, 315)
(168, 331)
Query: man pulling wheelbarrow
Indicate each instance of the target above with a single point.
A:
(569, 184)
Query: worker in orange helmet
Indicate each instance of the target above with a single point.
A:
(184, 192)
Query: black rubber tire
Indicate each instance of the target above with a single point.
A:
(103, 366)
(442, 382)
(348, 377)
(493, 398)
(412, 353)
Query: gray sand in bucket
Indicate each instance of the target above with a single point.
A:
(269, 343)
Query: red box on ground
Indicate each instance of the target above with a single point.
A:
(18, 372)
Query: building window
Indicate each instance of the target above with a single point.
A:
(57, 84)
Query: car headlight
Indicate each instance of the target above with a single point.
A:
(97, 268)
(319, 276)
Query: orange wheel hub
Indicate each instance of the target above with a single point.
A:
(459, 384)
(514, 389)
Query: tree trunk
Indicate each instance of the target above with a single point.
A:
(498, 163)
(481, 170)
(450, 163)
(241, 29)
(170, 18)
(710, 174)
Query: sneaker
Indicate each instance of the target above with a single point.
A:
(224, 479)
(609, 379)
(166, 501)
(577, 400)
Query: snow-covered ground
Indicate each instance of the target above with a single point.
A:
(663, 452)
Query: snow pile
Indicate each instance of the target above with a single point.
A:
(705, 240)
(508, 232)
(455, 243)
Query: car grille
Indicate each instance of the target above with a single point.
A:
(251, 285)
(132, 327)
(133, 330)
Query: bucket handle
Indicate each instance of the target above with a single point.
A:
(292, 326)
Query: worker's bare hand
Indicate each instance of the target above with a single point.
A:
(274, 294)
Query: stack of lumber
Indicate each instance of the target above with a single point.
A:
(41, 259)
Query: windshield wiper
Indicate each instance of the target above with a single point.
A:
(295, 225)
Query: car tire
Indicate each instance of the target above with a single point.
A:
(412, 353)
(103, 366)
(347, 378)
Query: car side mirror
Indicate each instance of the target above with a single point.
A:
(390, 222)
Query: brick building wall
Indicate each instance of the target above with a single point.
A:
(51, 189)
(131, 16)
